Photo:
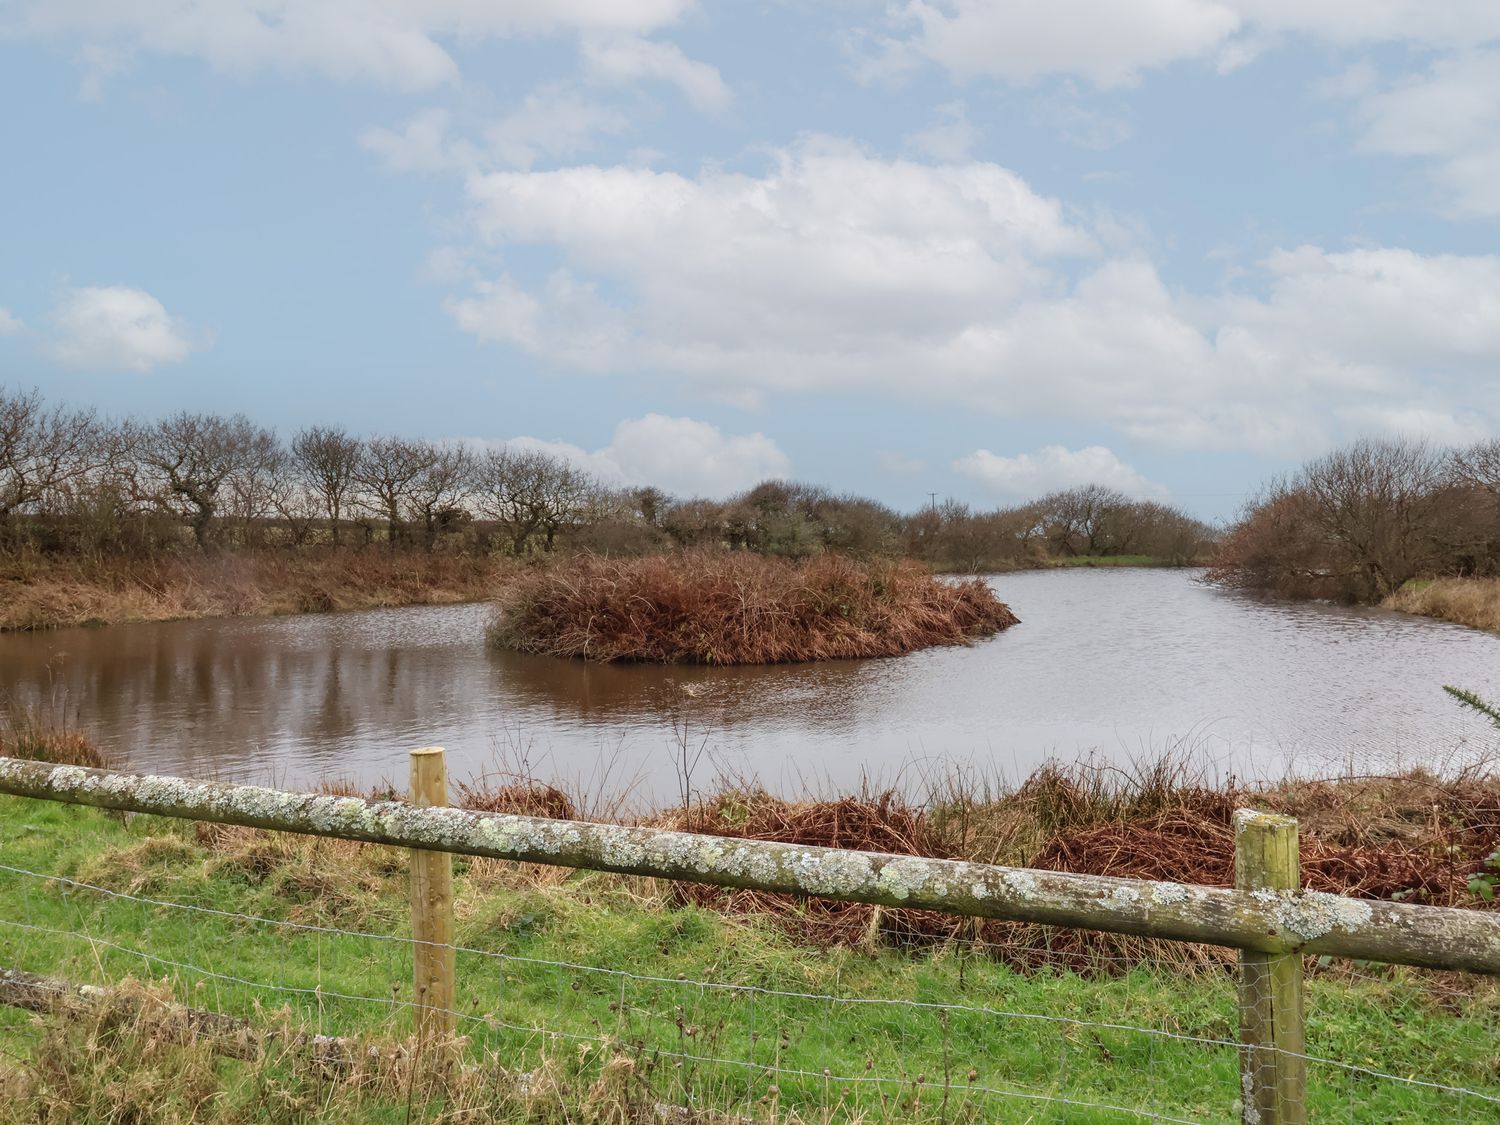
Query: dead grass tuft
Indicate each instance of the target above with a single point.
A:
(1474, 602)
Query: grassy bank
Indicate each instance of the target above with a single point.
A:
(737, 608)
(598, 998)
(38, 592)
(1474, 602)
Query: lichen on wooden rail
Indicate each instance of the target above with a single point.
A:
(1269, 921)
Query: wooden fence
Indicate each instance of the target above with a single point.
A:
(1267, 917)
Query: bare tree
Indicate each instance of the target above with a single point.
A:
(437, 493)
(1079, 519)
(252, 487)
(325, 458)
(530, 492)
(1374, 503)
(386, 477)
(1478, 466)
(190, 459)
(43, 451)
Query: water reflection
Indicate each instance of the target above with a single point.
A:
(1121, 662)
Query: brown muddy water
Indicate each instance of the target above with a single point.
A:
(1119, 664)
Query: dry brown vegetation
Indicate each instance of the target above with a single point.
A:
(41, 593)
(739, 608)
(1414, 837)
(1474, 602)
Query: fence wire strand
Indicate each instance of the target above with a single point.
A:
(758, 998)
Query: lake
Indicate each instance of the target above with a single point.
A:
(1118, 664)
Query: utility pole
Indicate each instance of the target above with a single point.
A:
(933, 496)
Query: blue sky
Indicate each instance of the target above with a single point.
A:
(978, 249)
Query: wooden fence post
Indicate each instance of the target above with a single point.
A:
(1273, 1072)
(433, 967)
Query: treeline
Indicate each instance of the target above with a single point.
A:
(75, 483)
(1359, 523)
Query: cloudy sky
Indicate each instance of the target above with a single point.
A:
(973, 247)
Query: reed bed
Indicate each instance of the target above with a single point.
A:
(739, 608)
(39, 592)
(1474, 602)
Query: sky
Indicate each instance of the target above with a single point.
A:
(973, 249)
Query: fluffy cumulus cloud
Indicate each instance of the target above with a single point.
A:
(837, 270)
(116, 328)
(1055, 467)
(551, 122)
(1449, 116)
(398, 43)
(1112, 42)
(628, 59)
(681, 455)
(9, 322)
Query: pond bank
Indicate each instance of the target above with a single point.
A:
(45, 593)
(1474, 602)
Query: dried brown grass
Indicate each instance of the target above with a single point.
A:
(43, 593)
(1474, 602)
(31, 737)
(739, 608)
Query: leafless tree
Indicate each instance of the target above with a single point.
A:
(42, 452)
(1478, 466)
(437, 493)
(530, 493)
(325, 459)
(190, 459)
(1079, 519)
(1374, 502)
(386, 477)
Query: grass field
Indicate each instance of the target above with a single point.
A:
(592, 997)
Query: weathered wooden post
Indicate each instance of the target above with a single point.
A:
(1273, 1072)
(433, 967)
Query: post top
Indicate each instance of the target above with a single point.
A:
(427, 750)
(1254, 818)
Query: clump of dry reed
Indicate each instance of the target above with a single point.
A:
(27, 735)
(1474, 602)
(739, 608)
(1413, 837)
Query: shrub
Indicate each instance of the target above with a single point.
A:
(739, 608)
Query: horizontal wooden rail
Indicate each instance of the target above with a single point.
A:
(1267, 921)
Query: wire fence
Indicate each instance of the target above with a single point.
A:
(938, 1041)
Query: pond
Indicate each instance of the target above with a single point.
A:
(1120, 664)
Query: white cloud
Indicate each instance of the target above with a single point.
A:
(950, 138)
(836, 271)
(553, 121)
(1450, 116)
(115, 327)
(1111, 42)
(9, 322)
(395, 43)
(1054, 467)
(1108, 42)
(626, 60)
(420, 144)
(680, 455)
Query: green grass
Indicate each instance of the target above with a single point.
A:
(934, 1057)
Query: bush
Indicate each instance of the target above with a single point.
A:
(739, 608)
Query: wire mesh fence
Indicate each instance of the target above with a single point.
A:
(950, 1034)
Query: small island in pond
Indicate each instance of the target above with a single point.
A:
(733, 607)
